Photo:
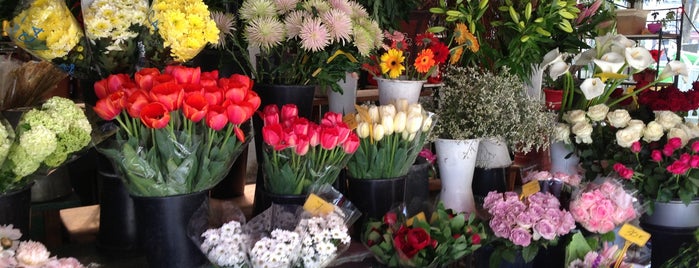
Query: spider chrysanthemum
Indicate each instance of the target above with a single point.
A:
(314, 35)
(265, 32)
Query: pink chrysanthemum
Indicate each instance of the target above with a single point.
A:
(285, 6)
(32, 254)
(339, 25)
(342, 5)
(314, 35)
(253, 9)
(225, 22)
(265, 32)
(293, 22)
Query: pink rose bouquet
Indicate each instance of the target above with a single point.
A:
(525, 224)
(600, 208)
(299, 153)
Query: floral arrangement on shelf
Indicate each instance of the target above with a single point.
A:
(390, 138)
(476, 104)
(171, 22)
(43, 139)
(15, 253)
(603, 205)
(395, 58)
(283, 235)
(299, 153)
(179, 131)
(526, 223)
(307, 42)
(113, 28)
(48, 30)
(671, 98)
(444, 238)
(579, 254)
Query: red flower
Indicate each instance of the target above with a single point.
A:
(253, 99)
(426, 39)
(390, 218)
(441, 52)
(636, 147)
(162, 79)
(169, 94)
(410, 241)
(623, 171)
(237, 114)
(656, 155)
(189, 89)
(155, 115)
(213, 95)
(329, 138)
(273, 135)
(135, 102)
(184, 75)
(331, 119)
(111, 84)
(195, 107)
(289, 111)
(314, 134)
(216, 117)
(109, 108)
(678, 167)
(235, 94)
(351, 144)
(302, 146)
(475, 239)
(270, 115)
(145, 77)
(209, 79)
(301, 126)
(239, 134)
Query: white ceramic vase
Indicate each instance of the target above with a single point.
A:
(493, 153)
(559, 162)
(456, 160)
(392, 89)
(343, 103)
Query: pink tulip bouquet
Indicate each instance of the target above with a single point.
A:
(180, 130)
(299, 153)
(601, 207)
(526, 224)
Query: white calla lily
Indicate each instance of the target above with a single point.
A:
(638, 57)
(592, 88)
(557, 69)
(674, 68)
(584, 58)
(610, 62)
(552, 57)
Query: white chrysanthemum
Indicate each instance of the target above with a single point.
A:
(293, 22)
(225, 22)
(256, 9)
(314, 35)
(265, 33)
(358, 11)
(39, 142)
(319, 5)
(32, 254)
(339, 25)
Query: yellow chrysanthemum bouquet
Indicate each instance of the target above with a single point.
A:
(47, 30)
(178, 31)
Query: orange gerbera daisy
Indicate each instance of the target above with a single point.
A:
(424, 61)
(463, 36)
(456, 56)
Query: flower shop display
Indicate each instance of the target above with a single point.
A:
(180, 130)
(299, 154)
(112, 29)
(603, 205)
(15, 253)
(555, 183)
(671, 98)
(579, 254)
(442, 239)
(397, 73)
(523, 225)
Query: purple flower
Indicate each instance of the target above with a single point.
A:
(525, 220)
(491, 199)
(427, 154)
(546, 229)
(520, 237)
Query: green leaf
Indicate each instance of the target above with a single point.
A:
(457, 223)
(577, 248)
(437, 10)
(436, 29)
(528, 253)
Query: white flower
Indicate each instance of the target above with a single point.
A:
(363, 130)
(653, 132)
(387, 123)
(9, 237)
(627, 136)
(374, 114)
(692, 129)
(597, 112)
(638, 57)
(667, 119)
(32, 254)
(378, 132)
(674, 68)
(562, 133)
(387, 110)
(637, 124)
(582, 132)
(592, 88)
(619, 118)
(399, 122)
(678, 132)
(557, 69)
(575, 116)
(413, 123)
(610, 62)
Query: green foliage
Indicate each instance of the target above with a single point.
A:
(389, 13)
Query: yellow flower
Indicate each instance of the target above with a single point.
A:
(456, 55)
(392, 63)
(460, 31)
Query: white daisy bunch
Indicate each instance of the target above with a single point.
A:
(324, 238)
(110, 20)
(281, 249)
(226, 246)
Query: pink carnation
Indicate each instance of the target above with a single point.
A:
(656, 155)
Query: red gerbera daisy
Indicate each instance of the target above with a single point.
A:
(441, 52)
(426, 39)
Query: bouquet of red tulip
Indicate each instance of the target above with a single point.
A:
(299, 153)
(180, 129)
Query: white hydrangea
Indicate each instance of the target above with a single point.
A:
(39, 142)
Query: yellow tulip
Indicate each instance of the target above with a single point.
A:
(399, 122)
(378, 133)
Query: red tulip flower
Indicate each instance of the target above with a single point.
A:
(273, 135)
(155, 115)
(169, 94)
(289, 111)
(216, 117)
(135, 102)
(328, 138)
(145, 77)
(254, 100)
(110, 108)
(237, 114)
(195, 107)
(270, 115)
(184, 75)
(214, 95)
(351, 144)
(189, 89)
